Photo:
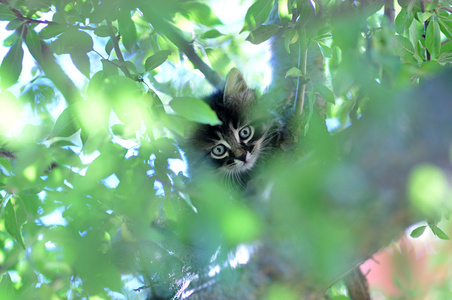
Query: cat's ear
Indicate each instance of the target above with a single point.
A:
(236, 87)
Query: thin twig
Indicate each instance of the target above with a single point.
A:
(302, 80)
(118, 52)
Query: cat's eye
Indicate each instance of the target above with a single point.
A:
(245, 132)
(218, 151)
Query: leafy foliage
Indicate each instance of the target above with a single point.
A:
(93, 203)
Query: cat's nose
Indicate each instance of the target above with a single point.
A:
(242, 157)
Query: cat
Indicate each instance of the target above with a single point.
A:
(234, 148)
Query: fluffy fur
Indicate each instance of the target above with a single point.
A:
(235, 147)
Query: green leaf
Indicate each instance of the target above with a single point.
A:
(156, 60)
(127, 30)
(66, 124)
(404, 48)
(73, 41)
(201, 13)
(446, 26)
(109, 46)
(438, 232)
(294, 72)
(194, 109)
(257, 14)
(403, 21)
(418, 232)
(263, 33)
(34, 44)
(15, 218)
(326, 51)
(104, 31)
(7, 290)
(12, 65)
(81, 61)
(326, 93)
(51, 31)
(284, 14)
(6, 14)
(433, 38)
(211, 34)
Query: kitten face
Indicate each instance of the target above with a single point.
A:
(234, 147)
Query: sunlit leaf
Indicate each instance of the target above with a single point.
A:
(156, 60)
(284, 13)
(7, 288)
(201, 13)
(257, 14)
(12, 65)
(15, 217)
(66, 124)
(194, 109)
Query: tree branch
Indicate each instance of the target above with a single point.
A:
(118, 51)
(165, 28)
(7, 154)
(389, 10)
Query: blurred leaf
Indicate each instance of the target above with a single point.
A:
(34, 44)
(127, 30)
(156, 60)
(51, 30)
(433, 38)
(66, 124)
(15, 218)
(263, 33)
(12, 65)
(438, 232)
(72, 41)
(326, 51)
(7, 291)
(109, 47)
(201, 13)
(6, 14)
(211, 34)
(194, 109)
(418, 231)
(326, 93)
(257, 14)
(104, 31)
(404, 48)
